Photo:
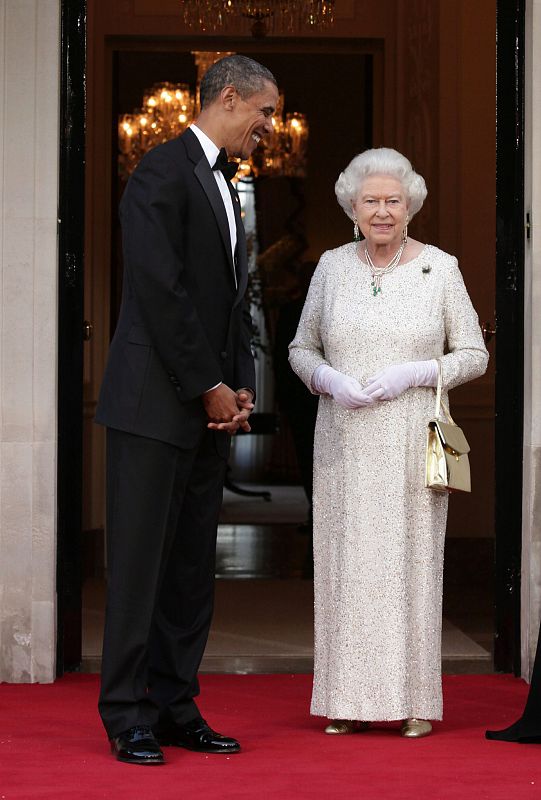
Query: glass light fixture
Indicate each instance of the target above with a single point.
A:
(168, 109)
(262, 17)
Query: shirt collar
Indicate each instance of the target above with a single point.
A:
(209, 148)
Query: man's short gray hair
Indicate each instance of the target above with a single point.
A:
(380, 161)
(245, 74)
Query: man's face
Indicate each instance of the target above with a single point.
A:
(251, 120)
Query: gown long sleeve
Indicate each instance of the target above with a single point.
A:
(378, 532)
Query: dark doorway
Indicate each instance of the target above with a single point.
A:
(70, 331)
(510, 329)
(510, 25)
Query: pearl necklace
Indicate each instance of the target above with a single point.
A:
(379, 272)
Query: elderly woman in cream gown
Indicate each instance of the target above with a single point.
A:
(381, 312)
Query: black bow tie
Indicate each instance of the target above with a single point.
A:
(227, 168)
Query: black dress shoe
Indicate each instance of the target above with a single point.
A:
(197, 735)
(138, 745)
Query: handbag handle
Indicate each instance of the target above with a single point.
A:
(439, 402)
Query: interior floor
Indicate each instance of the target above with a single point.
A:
(263, 619)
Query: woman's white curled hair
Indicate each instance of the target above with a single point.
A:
(380, 161)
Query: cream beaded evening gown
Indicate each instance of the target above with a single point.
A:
(378, 533)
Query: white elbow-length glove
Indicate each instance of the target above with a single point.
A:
(392, 381)
(344, 390)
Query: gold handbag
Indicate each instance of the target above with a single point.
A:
(447, 462)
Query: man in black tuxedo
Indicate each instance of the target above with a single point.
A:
(178, 383)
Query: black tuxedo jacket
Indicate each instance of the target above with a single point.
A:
(183, 325)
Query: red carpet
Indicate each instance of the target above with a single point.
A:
(52, 746)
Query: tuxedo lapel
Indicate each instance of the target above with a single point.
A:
(205, 176)
(242, 262)
(207, 180)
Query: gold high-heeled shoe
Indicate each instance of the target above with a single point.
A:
(415, 728)
(340, 727)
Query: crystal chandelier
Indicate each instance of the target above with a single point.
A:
(268, 16)
(168, 109)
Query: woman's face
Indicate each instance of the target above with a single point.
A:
(381, 209)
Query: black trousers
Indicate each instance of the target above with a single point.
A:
(162, 514)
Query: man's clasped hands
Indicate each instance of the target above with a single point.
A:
(228, 410)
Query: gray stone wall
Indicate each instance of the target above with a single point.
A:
(531, 506)
(29, 84)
